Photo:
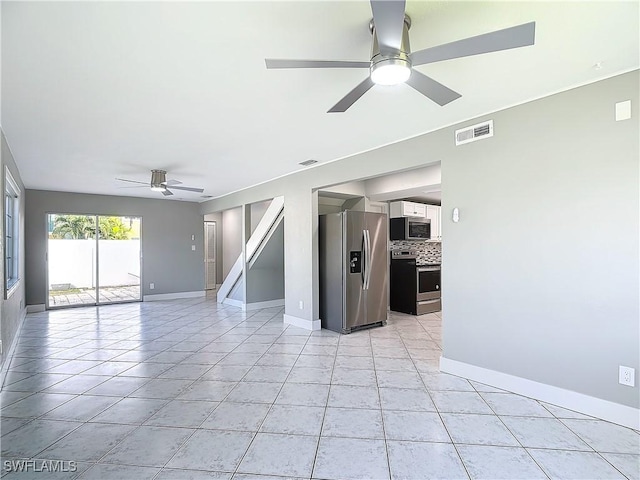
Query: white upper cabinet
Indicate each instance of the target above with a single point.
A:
(434, 213)
(407, 209)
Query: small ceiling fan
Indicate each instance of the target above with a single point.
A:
(159, 183)
(392, 61)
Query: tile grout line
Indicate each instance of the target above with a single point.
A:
(274, 400)
(384, 432)
(512, 434)
(597, 452)
(464, 466)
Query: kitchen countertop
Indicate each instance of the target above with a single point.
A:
(421, 264)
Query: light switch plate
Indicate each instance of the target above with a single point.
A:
(623, 110)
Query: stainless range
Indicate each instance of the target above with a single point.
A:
(428, 289)
(415, 289)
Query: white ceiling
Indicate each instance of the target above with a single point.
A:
(98, 90)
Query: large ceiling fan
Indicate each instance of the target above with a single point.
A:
(392, 61)
(159, 183)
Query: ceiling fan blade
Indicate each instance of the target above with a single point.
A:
(283, 63)
(166, 192)
(351, 97)
(388, 20)
(432, 89)
(188, 189)
(137, 186)
(513, 37)
(132, 181)
(173, 182)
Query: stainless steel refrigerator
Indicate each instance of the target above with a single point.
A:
(353, 270)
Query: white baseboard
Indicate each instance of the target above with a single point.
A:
(9, 355)
(36, 308)
(302, 322)
(267, 304)
(174, 296)
(595, 407)
(233, 302)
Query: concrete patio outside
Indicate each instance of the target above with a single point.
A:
(65, 298)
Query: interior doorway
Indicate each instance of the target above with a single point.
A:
(92, 259)
(210, 255)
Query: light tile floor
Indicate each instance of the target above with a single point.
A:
(191, 389)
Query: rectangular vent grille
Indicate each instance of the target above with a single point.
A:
(306, 163)
(474, 132)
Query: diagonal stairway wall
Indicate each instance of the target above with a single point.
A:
(260, 266)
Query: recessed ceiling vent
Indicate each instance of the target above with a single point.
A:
(474, 132)
(306, 163)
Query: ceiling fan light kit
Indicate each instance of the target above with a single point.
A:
(390, 72)
(392, 67)
(392, 61)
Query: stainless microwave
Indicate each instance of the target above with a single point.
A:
(407, 228)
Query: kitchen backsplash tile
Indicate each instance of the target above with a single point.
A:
(427, 251)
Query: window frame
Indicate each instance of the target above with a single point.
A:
(12, 197)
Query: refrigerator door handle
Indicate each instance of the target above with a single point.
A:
(367, 262)
(363, 260)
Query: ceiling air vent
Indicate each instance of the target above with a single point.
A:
(474, 132)
(306, 163)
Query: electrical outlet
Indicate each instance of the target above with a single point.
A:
(627, 376)
(301, 305)
(0, 347)
(193, 248)
(152, 286)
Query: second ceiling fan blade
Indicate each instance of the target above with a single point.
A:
(166, 192)
(132, 181)
(188, 189)
(284, 63)
(513, 37)
(351, 97)
(388, 20)
(432, 89)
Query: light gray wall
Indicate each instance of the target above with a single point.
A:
(265, 279)
(563, 317)
(257, 211)
(13, 308)
(167, 226)
(404, 184)
(231, 238)
(540, 276)
(355, 204)
(217, 217)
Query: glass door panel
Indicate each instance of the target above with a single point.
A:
(118, 259)
(71, 265)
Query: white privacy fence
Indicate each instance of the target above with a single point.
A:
(72, 263)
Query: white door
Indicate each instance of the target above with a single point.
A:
(210, 254)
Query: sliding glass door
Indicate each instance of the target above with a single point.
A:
(71, 256)
(118, 259)
(92, 259)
